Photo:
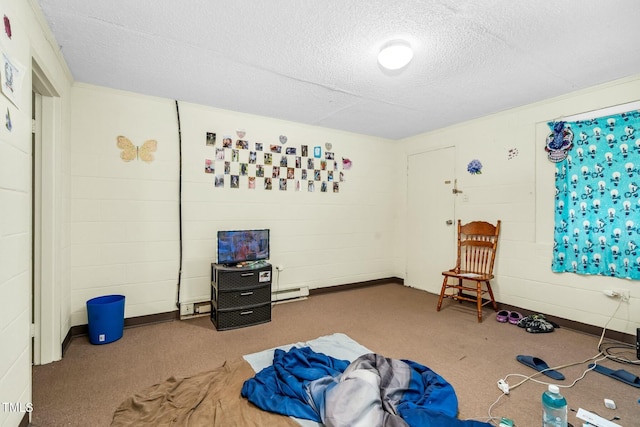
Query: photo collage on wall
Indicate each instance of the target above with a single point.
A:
(236, 162)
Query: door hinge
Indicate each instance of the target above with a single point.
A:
(32, 330)
(33, 125)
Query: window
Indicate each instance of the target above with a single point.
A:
(597, 206)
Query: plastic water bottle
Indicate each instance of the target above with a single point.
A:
(554, 408)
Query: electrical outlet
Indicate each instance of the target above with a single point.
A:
(186, 309)
(203, 307)
(625, 294)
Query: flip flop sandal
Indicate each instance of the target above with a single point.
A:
(540, 326)
(502, 316)
(515, 317)
(540, 366)
(620, 375)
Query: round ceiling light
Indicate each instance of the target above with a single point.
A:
(395, 55)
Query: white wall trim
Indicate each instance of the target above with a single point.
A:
(47, 303)
(616, 109)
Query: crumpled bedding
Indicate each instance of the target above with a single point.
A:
(211, 398)
(281, 387)
(371, 391)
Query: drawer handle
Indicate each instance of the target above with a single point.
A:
(246, 274)
(246, 294)
(244, 313)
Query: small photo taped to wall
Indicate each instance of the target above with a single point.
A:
(211, 138)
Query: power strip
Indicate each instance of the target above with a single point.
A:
(594, 419)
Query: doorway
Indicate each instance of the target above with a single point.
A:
(36, 223)
(430, 217)
(45, 221)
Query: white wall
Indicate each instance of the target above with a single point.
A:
(520, 191)
(322, 239)
(28, 41)
(15, 238)
(124, 215)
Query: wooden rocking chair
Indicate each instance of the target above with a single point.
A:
(477, 243)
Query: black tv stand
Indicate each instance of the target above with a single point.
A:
(245, 264)
(240, 295)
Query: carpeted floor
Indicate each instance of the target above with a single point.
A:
(86, 386)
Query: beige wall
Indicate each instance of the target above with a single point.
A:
(29, 42)
(322, 239)
(124, 228)
(520, 191)
(124, 215)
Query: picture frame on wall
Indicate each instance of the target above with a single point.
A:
(11, 76)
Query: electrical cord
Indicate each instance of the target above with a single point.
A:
(179, 204)
(620, 357)
(277, 286)
(597, 358)
(604, 328)
(602, 355)
(605, 348)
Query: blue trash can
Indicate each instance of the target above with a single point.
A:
(106, 318)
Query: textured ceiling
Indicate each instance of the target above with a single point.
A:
(315, 61)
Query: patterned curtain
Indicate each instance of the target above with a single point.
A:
(597, 205)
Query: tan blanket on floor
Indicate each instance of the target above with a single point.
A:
(210, 398)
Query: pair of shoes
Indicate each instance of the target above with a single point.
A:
(540, 366)
(526, 321)
(620, 375)
(537, 323)
(540, 326)
(504, 316)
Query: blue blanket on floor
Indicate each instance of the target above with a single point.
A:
(370, 391)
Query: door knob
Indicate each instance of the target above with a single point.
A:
(449, 222)
(455, 187)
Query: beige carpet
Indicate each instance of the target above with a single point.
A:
(86, 386)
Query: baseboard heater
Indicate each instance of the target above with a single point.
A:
(289, 294)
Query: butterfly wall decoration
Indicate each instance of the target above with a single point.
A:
(132, 152)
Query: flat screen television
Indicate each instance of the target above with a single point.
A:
(238, 246)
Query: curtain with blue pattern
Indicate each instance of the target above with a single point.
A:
(597, 203)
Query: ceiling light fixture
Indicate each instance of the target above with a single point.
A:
(395, 55)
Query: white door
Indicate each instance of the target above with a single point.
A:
(431, 224)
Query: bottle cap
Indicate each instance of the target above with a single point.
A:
(554, 388)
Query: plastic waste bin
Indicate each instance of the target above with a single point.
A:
(106, 318)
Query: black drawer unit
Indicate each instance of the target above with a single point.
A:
(240, 296)
(239, 318)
